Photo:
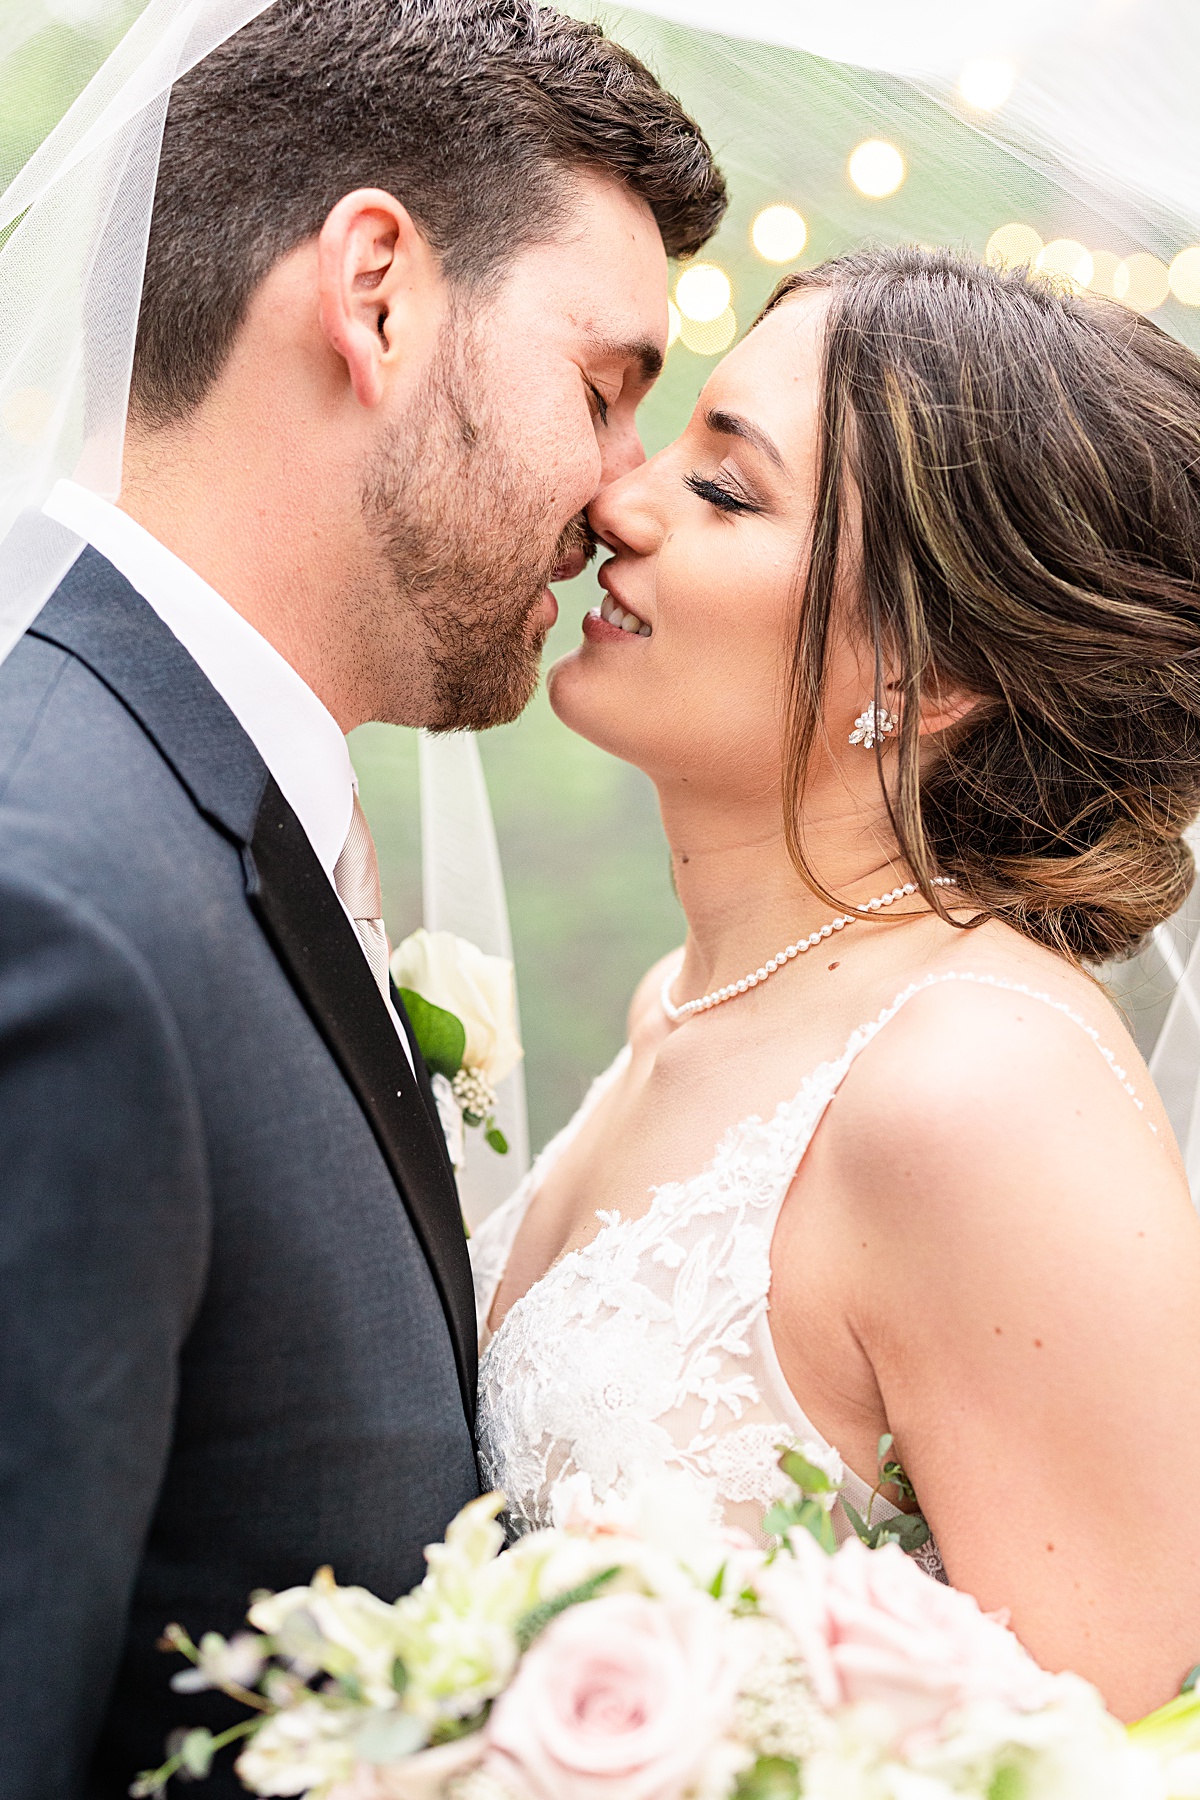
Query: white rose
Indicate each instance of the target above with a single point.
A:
(451, 973)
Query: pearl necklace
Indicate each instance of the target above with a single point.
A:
(720, 995)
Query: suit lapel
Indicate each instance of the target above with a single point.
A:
(97, 616)
(315, 941)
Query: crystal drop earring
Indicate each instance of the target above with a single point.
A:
(871, 725)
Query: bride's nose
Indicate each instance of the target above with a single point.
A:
(624, 515)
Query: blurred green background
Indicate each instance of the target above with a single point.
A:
(585, 860)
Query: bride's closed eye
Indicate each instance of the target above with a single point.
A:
(725, 499)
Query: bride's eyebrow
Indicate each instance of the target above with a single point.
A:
(730, 424)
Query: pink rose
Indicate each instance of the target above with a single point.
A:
(621, 1696)
(874, 1628)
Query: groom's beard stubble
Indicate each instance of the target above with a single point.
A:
(465, 531)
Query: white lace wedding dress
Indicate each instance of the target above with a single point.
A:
(651, 1347)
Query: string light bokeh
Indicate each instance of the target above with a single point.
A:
(820, 157)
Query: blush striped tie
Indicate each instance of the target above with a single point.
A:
(356, 878)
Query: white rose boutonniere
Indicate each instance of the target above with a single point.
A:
(462, 1005)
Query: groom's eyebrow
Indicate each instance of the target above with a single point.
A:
(729, 424)
(641, 351)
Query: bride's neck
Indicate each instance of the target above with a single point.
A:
(740, 890)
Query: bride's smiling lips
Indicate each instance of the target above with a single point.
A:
(614, 618)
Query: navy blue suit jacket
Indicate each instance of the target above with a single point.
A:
(237, 1337)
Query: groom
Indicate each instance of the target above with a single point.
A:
(405, 289)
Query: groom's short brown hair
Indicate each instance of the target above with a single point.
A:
(469, 111)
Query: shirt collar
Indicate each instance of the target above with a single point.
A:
(294, 733)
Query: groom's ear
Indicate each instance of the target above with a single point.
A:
(380, 282)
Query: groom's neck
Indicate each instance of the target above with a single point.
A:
(269, 546)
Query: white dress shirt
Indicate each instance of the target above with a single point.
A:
(294, 733)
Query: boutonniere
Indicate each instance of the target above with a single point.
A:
(463, 1010)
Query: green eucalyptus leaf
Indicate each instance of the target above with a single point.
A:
(448, 1731)
(910, 1530)
(386, 1737)
(1008, 1783)
(820, 1526)
(441, 1036)
(399, 1675)
(805, 1515)
(770, 1778)
(1191, 1680)
(892, 1474)
(196, 1752)
(497, 1141)
(779, 1519)
(861, 1528)
(807, 1477)
(535, 1621)
(885, 1444)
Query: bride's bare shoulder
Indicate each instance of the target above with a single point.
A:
(1006, 1070)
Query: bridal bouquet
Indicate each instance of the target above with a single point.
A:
(636, 1651)
(462, 1008)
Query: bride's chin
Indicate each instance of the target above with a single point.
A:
(581, 698)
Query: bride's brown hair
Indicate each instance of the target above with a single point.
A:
(1026, 465)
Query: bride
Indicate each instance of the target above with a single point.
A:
(906, 631)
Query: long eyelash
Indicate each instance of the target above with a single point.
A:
(601, 403)
(716, 495)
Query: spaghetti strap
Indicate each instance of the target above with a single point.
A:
(863, 1036)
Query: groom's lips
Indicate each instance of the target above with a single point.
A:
(570, 566)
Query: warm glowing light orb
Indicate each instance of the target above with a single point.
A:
(1012, 246)
(708, 337)
(986, 82)
(1105, 264)
(779, 234)
(1067, 259)
(876, 169)
(674, 322)
(1142, 282)
(703, 293)
(1184, 276)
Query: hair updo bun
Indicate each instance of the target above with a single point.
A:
(1027, 467)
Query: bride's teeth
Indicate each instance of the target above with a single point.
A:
(625, 621)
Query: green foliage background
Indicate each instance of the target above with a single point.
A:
(585, 859)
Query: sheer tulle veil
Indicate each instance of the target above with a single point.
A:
(1102, 107)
